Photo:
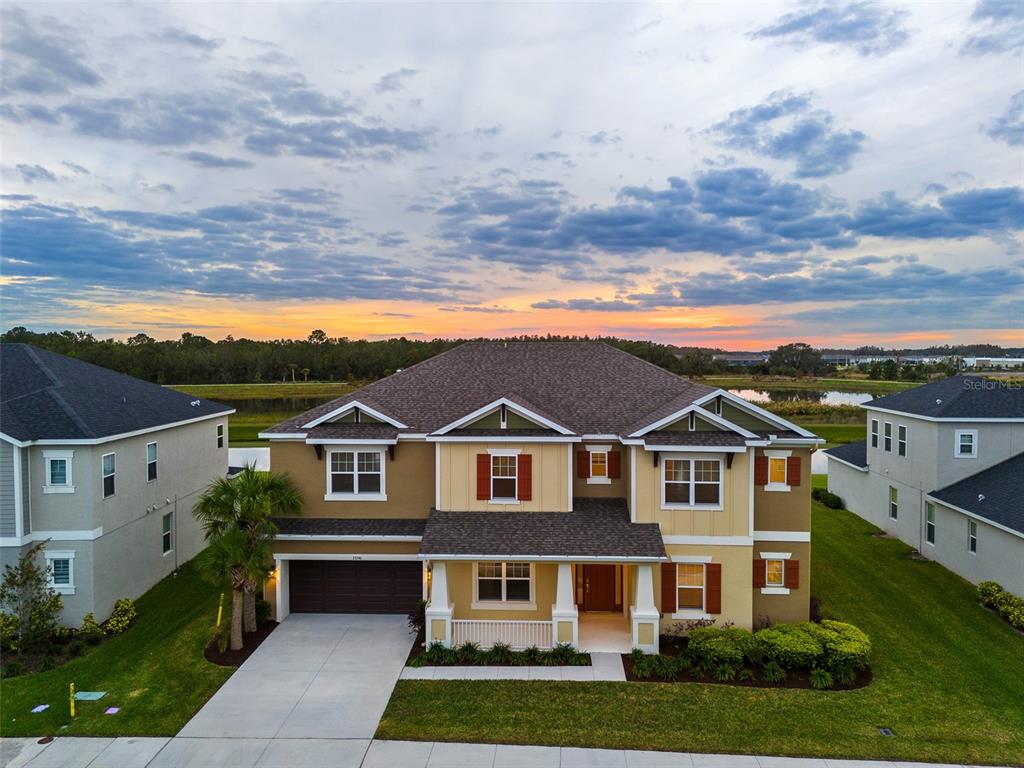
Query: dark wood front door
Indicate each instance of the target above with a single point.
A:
(354, 586)
(599, 588)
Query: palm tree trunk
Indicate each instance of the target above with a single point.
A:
(249, 607)
(236, 619)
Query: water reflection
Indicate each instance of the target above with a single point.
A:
(829, 397)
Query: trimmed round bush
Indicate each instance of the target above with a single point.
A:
(846, 647)
(711, 647)
(791, 646)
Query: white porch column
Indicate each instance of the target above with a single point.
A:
(439, 610)
(644, 616)
(565, 626)
(283, 608)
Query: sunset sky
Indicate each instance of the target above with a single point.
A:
(723, 175)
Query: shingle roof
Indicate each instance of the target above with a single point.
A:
(588, 387)
(996, 493)
(352, 431)
(703, 438)
(596, 528)
(46, 396)
(958, 397)
(852, 453)
(335, 526)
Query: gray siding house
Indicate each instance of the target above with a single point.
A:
(106, 469)
(941, 470)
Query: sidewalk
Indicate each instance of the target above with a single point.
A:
(180, 752)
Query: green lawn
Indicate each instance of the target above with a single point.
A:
(837, 434)
(155, 672)
(949, 680)
(269, 391)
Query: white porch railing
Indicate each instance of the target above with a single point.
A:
(518, 634)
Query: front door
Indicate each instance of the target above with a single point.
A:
(598, 587)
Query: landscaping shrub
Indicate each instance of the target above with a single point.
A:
(12, 669)
(122, 617)
(263, 611)
(792, 646)
(772, 672)
(500, 653)
(90, 626)
(8, 633)
(418, 618)
(712, 647)
(815, 609)
(47, 664)
(1006, 604)
(30, 605)
(846, 649)
(827, 498)
(75, 648)
(436, 653)
(532, 654)
(820, 679)
(468, 653)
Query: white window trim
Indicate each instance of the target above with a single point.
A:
(155, 461)
(887, 437)
(355, 449)
(974, 444)
(221, 436)
(171, 532)
(775, 590)
(504, 605)
(784, 455)
(693, 613)
(903, 444)
(874, 434)
(694, 457)
(510, 452)
(69, 555)
(103, 476)
(591, 450)
(67, 457)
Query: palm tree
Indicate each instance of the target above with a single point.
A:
(225, 561)
(246, 504)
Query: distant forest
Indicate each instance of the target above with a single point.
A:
(195, 359)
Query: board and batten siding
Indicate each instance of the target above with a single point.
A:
(8, 521)
(549, 470)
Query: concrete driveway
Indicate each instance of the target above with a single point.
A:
(318, 676)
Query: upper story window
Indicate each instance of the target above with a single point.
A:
(887, 437)
(150, 461)
(58, 472)
(355, 474)
(966, 444)
(874, 433)
(691, 482)
(108, 471)
(598, 464)
(504, 474)
(901, 440)
(61, 571)
(220, 435)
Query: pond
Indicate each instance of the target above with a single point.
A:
(827, 397)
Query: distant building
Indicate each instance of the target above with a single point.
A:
(993, 362)
(741, 359)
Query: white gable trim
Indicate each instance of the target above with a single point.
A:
(526, 413)
(701, 413)
(351, 406)
(746, 405)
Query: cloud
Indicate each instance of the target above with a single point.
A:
(307, 195)
(153, 118)
(24, 113)
(76, 168)
(208, 160)
(34, 173)
(184, 37)
(870, 29)
(604, 137)
(394, 81)
(1009, 126)
(985, 211)
(548, 156)
(999, 27)
(588, 305)
(805, 135)
(43, 55)
(254, 250)
(489, 131)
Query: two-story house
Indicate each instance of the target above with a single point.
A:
(942, 469)
(105, 468)
(545, 492)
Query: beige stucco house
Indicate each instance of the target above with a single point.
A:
(545, 492)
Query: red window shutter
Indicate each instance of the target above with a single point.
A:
(759, 573)
(761, 470)
(483, 476)
(791, 576)
(713, 588)
(525, 473)
(583, 463)
(793, 471)
(668, 588)
(614, 464)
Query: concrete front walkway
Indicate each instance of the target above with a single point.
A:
(323, 676)
(362, 753)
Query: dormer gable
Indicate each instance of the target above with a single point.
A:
(354, 412)
(502, 414)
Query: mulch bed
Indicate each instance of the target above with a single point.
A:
(250, 642)
(419, 648)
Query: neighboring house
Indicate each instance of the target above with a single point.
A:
(942, 470)
(741, 359)
(545, 492)
(106, 469)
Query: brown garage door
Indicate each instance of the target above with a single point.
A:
(354, 586)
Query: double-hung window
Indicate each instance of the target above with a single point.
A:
(58, 472)
(894, 502)
(778, 467)
(874, 433)
(887, 437)
(220, 435)
(901, 440)
(966, 444)
(504, 583)
(504, 477)
(972, 537)
(775, 573)
(167, 533)
(109, 466)
(690, 586)
(150, 461)
(355, 474)
(598, 467)
(61, 571)
(929, 523)
(691, 482)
